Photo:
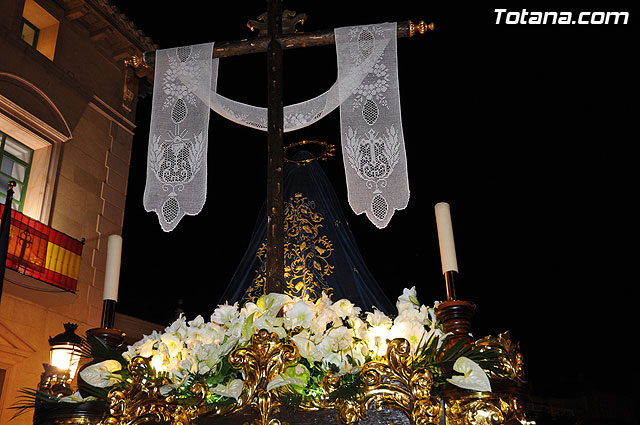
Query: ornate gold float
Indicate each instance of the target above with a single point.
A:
(391, 383)
(410, 382)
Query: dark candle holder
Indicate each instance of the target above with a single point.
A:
(106, 332)
(455, 315)
(108, 313)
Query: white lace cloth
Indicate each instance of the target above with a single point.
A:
(371, 126)
(367, 92)
(178, 137)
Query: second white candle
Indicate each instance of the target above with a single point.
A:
(445, 238)
(112, 274)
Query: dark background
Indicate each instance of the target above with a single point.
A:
(525, 131)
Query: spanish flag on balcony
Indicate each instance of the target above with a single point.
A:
(44, 253)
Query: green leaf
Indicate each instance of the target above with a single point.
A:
(29, 398)
(290, 399)
(99, 350)
(89, 390)
(247, 326)
(453, 352)
(350, 387)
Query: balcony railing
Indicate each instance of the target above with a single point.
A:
(42, 252)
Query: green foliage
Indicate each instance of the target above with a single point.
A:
(350, 387)
(98, 350)
(28, 399)
(439, 360)
(290, 400)
(221, 374)
(90, 391)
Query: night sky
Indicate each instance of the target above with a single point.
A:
(525, 130)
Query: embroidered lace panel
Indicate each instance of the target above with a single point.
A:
(367, 92)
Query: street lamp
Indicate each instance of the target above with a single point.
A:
(64, 351)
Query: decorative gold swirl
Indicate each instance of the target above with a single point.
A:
(503, 404)
(262, 360)
(388, 383)
(512, 364)
(392, 384)
(143, 402)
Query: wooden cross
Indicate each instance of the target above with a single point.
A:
(274, 43)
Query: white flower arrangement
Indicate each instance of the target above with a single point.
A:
(335, 341)
(330, 336)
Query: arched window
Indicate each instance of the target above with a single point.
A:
(32, 131)
(15, 164)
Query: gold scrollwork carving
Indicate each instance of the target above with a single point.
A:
(503, 404)
(483, 409)
(391, 383)
(511, 365)
(265, 358)
(143, 402)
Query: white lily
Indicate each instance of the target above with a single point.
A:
(101, 374)
(271, 324)
(300, 313)
(305, 346)
(233, 389)
(378, 318)
(473, 377)
(282, 380)
(407, 300)
(224, 314)
(270, 304)
(76, 398)
(344, 308)
(413, 332)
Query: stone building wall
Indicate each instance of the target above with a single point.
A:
(69, 105)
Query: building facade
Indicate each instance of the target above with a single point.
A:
(67, 113)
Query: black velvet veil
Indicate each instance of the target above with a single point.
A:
(321, 253)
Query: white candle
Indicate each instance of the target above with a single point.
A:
(112, 274)
(445, 238)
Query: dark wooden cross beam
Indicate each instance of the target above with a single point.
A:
(274, 256)
(224, 49)
(274, 43)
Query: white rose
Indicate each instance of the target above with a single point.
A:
(342, 338)
(336, 360)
